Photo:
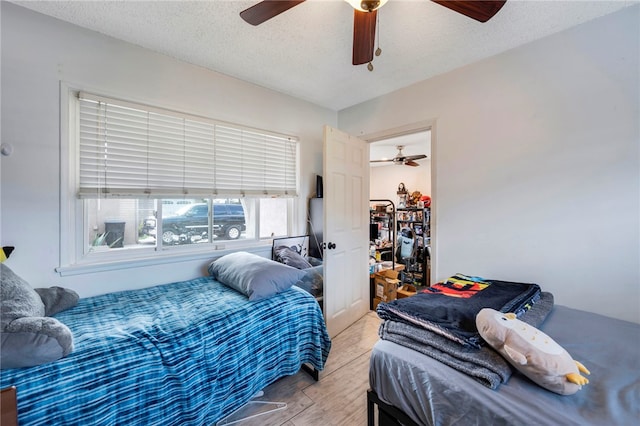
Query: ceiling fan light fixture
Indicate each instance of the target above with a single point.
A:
(366, 5)
(402, 160)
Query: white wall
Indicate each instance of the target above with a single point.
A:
(536, 163)
(38, 53)
(384, 180)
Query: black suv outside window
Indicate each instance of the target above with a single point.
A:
(190, 224)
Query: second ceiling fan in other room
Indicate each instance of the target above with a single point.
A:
(401, 159)
(364, 18)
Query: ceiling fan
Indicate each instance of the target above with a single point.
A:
(364, 18)
(400, 159)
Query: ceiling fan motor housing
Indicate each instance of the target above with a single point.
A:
(369, 5)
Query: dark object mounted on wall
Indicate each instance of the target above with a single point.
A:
(319, 186)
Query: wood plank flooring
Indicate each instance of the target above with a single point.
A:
(338, 398)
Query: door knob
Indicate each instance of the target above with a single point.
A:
(331, 246)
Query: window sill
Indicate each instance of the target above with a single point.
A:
(157, 259)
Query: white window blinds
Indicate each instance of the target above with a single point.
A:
(130, 150)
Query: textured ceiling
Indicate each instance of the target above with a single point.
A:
(306, 51)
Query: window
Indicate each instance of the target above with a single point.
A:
(148, 180)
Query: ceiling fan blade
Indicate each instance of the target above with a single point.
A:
(415, 157)
(479, 10)
(411, 163)
(267, 9)
(364, 35)
(381, 161)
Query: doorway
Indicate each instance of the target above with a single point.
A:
(386, 176)
(403, 162)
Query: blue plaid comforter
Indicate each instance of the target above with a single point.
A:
(186, 353)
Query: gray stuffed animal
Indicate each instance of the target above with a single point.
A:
(28, 336)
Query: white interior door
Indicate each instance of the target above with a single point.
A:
(346, 229)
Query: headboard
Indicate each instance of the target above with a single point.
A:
(299, 244)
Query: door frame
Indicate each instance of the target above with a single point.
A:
(420, 126)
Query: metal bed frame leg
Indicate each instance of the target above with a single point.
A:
(387, 414)
(370, 408)
(315, 374)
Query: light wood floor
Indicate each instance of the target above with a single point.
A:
(338, 398)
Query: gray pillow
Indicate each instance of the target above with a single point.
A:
(291, 257)
(314, 261)
(254, 276)
(312, 281)
(57, 299)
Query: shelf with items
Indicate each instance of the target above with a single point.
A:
(418, 219)
(382, 231)
(414, 227)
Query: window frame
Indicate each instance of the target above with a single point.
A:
(73, 259)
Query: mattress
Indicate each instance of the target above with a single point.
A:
(432, 393)
(186, 353)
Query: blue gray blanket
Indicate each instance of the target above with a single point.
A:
(449, 308)
(483, 364)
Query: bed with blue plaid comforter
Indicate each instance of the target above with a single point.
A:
(186, 353)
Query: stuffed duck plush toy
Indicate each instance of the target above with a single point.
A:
(531, 352)
(28, 334)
